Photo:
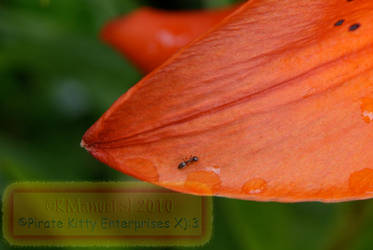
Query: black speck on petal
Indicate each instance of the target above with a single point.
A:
(354, 27)
(339, 22)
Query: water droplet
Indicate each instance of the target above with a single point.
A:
(214, 169)
(254, 186)
(203, 182)
(367, 109)
(362, 181)
(141, 168)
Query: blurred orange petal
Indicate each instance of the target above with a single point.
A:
(149, 36)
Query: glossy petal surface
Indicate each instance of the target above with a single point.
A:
(276, 101)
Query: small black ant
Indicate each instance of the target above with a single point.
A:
(187, 162)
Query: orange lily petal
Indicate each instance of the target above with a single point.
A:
(276, 102)
(149, 36)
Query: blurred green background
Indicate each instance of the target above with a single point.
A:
(57, 78)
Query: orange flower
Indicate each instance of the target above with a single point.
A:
(149, 36)
(275, 102)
